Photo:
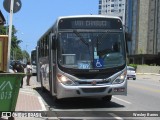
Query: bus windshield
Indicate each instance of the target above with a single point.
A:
(91, 50)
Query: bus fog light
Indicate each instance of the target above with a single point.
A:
(65, 80)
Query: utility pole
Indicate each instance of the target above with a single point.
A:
(11, 6)
(10, 33)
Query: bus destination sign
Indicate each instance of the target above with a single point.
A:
(90, 23)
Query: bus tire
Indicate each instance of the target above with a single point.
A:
(43, 89)
(56, 100)
(107, 98)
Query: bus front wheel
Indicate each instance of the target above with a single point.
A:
(107, 98)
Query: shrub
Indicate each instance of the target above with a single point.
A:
(133, 65)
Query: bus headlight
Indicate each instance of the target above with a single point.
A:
(120, 79)
(65, 80)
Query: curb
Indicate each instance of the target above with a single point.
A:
(148, 74)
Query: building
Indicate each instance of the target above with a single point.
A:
(2, 19)
(143, 23)
(113, 7)
(2, 22)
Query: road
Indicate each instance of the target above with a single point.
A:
(143, 99)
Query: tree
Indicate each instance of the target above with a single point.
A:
(16, 52)
(26, 55)
(3, 30)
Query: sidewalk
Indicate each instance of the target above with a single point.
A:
(28, 98)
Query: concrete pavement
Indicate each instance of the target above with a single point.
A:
(28, 98)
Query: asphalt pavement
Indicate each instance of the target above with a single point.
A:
(143, 96)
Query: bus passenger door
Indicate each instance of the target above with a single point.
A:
(52, 64)
(38, 65)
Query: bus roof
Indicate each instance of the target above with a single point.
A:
(88, 16)
(78, 16)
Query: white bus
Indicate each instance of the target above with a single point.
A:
(83, 56)
(34, 62)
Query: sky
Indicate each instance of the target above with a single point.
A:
(36, 16)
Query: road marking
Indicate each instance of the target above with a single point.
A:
(27, 92)
(42, 104)
(122, 100)
(145, 88)
(115, 116)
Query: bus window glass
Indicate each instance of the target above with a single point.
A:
(33, 57)
(91, 50)
(111, 49)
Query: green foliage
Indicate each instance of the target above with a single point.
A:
(133, 65)
(26, 55)
(16, 52)
(3, 30)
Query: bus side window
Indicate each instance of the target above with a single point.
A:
(53, 38)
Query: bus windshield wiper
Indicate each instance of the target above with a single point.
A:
(97, 39)
(85, 42)
(81, 38)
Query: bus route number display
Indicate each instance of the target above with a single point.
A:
(89, 23)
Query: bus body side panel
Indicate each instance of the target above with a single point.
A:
(38, 65)
(53, 77)
(44, 72)
(52, 67)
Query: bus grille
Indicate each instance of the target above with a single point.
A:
(93, 90)
(90, 82)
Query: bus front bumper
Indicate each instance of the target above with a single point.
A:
(97, 91)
